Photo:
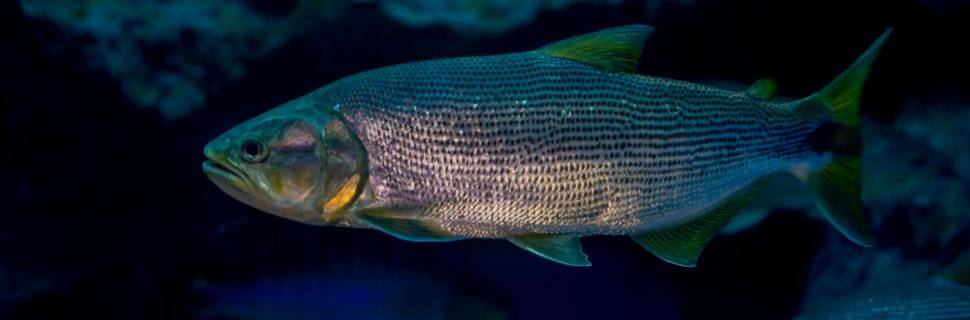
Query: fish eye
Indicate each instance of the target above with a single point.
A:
(253, 151)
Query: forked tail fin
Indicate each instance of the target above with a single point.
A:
(838, 185)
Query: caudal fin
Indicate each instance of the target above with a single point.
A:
(838, 185)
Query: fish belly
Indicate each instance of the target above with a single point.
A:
(526, 143)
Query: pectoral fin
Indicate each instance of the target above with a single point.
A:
(562, 248)
(404, 226)
(682, 244)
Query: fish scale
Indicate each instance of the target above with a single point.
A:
(528, 143)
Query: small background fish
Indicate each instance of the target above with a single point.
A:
(106, 216)
(887, 284)
(359, 288)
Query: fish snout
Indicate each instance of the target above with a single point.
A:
(218, 167)
(215, 150)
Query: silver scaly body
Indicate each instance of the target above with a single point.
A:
(544, 147)
(528, 143)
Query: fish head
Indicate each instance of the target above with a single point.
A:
(297, 161)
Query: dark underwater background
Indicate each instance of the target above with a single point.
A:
(107, 105)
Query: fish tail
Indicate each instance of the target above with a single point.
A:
(838, 184)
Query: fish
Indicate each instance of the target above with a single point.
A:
(931, 298)
(895, 288)
(544, 147)
(355, 290)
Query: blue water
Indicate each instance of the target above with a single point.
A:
(107, 105)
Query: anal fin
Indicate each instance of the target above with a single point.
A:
(401, 225)
(561, 248)
(682, 244)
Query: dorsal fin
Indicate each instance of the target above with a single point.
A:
(611, 50)
(763, 89)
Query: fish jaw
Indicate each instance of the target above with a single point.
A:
(218, 169)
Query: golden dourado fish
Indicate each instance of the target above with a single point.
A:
(544, 147)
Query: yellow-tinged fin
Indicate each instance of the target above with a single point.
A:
(682, 244)
(400, 224)
(561, 248)
(838, 191)
(764, 89)
(840, 99)
(837, 186)
(611, 50)
(843, 94)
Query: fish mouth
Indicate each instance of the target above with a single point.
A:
(215, 170)
(224, 176)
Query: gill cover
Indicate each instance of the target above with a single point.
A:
(345, 169)
(300, 161)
